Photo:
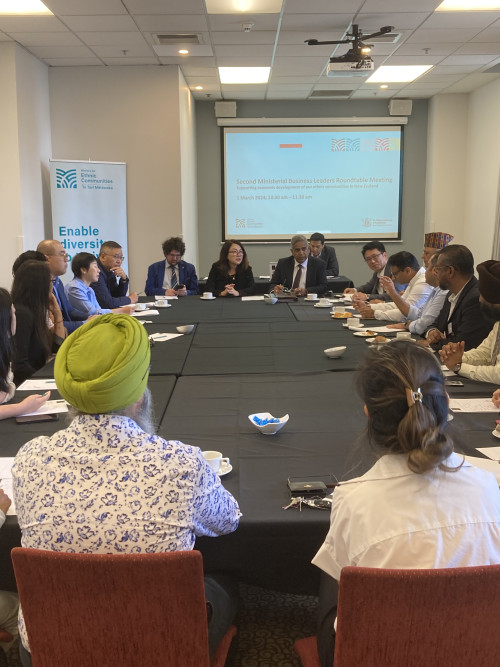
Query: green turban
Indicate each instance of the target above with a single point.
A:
(103, 366)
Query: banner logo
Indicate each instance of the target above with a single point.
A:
(345, 144)
(66, 179)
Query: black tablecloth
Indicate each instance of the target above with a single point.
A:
(263, 285)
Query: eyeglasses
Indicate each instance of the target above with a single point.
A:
(438, 267)
(372, 258)
(236, 252)
(120, 258)
(174, 255)
(61, 254)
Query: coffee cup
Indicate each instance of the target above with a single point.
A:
(215, 460)
(403, 335)
(161, 302)
(141, 306)
(207, 295)
(312, 297)
(355, 322)
(339, 309)
(324, 302)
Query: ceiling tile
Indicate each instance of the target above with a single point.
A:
(299, 65)
(130, 61)
(233, 22)
(46, 38)
(61, 51)
(401, 21)
(461, 19)
(444, 35)
(468, 60)
(316, 22)
(254, 51)
(478, 48)
(100, 23)
(31, 24)
(122, 39)
(400, 5)
(244, 38)
(434, 49)
(163, 23)
(133, 51)
(165, 6)
(72, 62)
(255, 61)
(76, 7)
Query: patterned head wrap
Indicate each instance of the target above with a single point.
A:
(438, 240)
(103, 366)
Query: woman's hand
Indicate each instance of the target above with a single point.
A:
(496, 398)
(230, 290)
(33, 402)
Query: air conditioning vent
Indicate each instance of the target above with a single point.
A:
(331, 94)
(178, 38)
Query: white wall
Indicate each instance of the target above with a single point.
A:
(446, 165)
(187, 120)
(126, 114)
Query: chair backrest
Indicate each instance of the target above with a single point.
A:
(418, 617)
(106, 610)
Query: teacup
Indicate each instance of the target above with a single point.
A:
(141, 306)
(162, 302)
(324, 302)
(339, 309)
(207, 295)
(215, 460)
(355, 322)
(311, 296)
(403, 335)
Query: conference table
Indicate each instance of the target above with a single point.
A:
(245, 357)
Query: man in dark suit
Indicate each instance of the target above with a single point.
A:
(300, 273)
(324, 252)
(172, 276)
(461, 318)
(57, 259)
(112, 285)
(375, 256)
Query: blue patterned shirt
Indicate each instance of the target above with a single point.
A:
(103, 485)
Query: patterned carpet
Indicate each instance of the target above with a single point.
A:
(268, 624)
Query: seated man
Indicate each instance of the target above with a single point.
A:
(300, 273)
(375, 256)
(119, 488)
(324, 252)
(461, 318)
(57, 258)
(173, 276)
(406, 270)
(419, 319)
(112, 286)
(483, 362)
(434, 241)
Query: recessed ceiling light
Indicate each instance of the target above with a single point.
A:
(23, 7)
(468, 5)
(402, 73)
(243, 6)
(198, 87)
(384, 85)
(244, 74)
(183, 52)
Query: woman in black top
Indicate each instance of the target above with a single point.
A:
(231, 275)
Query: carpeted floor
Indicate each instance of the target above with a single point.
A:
(268, 624)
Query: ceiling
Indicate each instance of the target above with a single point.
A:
(461, 46)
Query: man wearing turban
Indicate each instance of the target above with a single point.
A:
(483, 362)
(106, 483)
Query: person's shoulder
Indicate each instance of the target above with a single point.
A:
(157, 264)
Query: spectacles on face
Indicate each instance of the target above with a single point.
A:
(62, 253)
(174, 255)
(236, 252)
(119, 258)
(372, 258)
(439, 267)
(396, 273)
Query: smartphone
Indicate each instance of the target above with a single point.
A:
(180, 286)
(314, 487)
(28, 419)
(453, 383)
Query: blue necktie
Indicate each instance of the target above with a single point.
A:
(173, 280)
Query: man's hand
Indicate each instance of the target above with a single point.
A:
(434, 336)
(399, 325)
(300, 291)
(349, 290)
(181, 292)
(278, 289)
(5, 501)
(118, 271)
(128, 309)
(365, 311)
(452, 354)
(496, 398)
(388, 285)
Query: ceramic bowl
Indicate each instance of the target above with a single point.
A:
(335, 352)
(268, 429)
(185, 328)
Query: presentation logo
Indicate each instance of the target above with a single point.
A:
(66, 179)
(345, 145)
(240, 223)
(387, 144)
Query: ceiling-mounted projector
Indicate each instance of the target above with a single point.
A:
(344, 67)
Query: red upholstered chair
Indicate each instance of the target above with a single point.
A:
(415, 618)
(123, 610)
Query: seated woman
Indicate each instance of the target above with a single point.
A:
(7, 386)
(231, 275)
(80, 295)
(39, 329)
(421, 505)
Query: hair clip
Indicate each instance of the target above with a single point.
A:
(413, 396)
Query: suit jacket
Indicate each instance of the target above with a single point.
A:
(217, 280)
(315, 276)
(329, 256)
(371, 287)
(72, 317)
(109, 293)
(156, 276)
(466, 322)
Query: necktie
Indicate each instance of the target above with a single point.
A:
(173, 280)
(298, 276)
(496, 348)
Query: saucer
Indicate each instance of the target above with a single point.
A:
(322, 305)
(166, 305)
(495, 433)
(204, 298)
(224, 470)
(308, 299)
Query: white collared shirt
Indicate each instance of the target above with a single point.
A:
(416, 294)
(167, 278)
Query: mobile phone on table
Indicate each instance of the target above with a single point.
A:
(180, 286)
(29, 419)
(453, 383)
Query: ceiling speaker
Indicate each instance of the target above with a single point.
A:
(225, 109)
(400, 107)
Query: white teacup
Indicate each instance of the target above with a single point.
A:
(354, 322)
(161, 302)
(207, 295)
(324, 302)
(141, 306)
(312, 297)
(403, 335)
(215, 460)
(339, 309)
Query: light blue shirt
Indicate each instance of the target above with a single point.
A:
(83, 298)
(423, 317)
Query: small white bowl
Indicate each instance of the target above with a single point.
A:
(185, 328)
(268, 429)
(335, 352)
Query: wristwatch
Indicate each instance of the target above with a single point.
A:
(456, 368)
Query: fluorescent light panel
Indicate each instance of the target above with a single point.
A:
(19, 7)
(243, 6)
(244, 74)
(468, 6)
(402, 73)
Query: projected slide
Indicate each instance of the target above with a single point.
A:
(344, 182)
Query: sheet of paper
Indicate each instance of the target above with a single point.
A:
(258, 297)
(379, 329)
(37, 385)
(145, 321)
(472, 405)
(159, 337)
(486, 464)
(50, 407)
(492, 453)
(265, 277)
(144, 313)
(167, 296)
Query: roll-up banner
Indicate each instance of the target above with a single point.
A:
(89, 206)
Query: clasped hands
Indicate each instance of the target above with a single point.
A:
(452, 353)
